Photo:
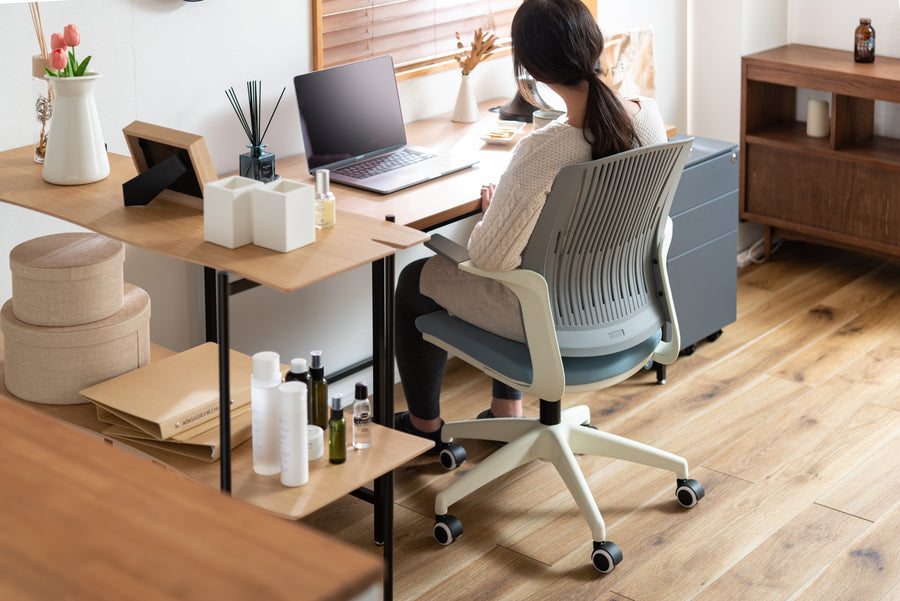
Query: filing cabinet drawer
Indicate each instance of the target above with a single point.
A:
(704, 222)
(704, 288)
(704, 181)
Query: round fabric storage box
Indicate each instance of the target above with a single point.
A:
(50, 365)
(67, 279)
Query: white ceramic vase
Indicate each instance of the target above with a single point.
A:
(466, 109)
(76, 153)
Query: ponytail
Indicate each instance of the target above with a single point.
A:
(607, 125)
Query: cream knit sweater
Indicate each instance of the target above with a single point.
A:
(498, 240)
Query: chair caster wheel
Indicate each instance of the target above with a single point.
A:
(447, 528)
(452, 456)
(689, 492)
(606, 556)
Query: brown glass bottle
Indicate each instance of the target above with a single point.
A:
(864, 43)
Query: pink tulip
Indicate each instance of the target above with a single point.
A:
(71, 35)
(57, 41)
(58, 59)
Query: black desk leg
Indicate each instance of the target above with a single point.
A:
(224, 387)
(383, 368)
(209, 302)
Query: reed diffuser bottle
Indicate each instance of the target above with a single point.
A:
(257, 163)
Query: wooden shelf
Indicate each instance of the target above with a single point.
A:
(839, 190)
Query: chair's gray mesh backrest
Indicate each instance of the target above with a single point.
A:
(595, 242)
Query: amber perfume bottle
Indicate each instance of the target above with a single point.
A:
(864, 42)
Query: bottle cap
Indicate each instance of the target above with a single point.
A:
(323, 181)
(337, 401)
(362, 391)
(266, 366)
(298, 365)
(865, 20)
(316, 357)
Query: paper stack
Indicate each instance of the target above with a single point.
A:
(173, 404)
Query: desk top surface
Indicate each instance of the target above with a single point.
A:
(176, 230)
(81, 519)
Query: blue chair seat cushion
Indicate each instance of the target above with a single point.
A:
(511, 358)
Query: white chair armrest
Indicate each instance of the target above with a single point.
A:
(549, 379)
(667, 351)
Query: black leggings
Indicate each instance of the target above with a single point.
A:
(420, 363)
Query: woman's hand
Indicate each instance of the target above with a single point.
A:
(487, 193)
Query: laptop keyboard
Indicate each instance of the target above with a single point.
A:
(384, 163)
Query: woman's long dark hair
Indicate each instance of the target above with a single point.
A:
(558, 42)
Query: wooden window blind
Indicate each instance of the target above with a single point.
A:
(419, 34)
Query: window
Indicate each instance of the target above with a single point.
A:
(419, 34)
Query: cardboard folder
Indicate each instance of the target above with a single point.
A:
(173, 395)
(203, 445)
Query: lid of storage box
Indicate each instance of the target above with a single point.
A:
(67, 256)
(134, 314)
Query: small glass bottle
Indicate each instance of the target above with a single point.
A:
(264, 407)
(298, 371)
(257, 163)
(337, 432)
(318, 391)
(324, 203)
(864, 43)
(362, 418)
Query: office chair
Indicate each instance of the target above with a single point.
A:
(595, 299)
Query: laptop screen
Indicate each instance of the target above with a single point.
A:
(349, 111)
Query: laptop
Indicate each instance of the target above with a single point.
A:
(352, 125)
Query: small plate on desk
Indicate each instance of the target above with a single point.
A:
(501, 132)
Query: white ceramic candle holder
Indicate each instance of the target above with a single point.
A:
(283, 215)
(228, 211)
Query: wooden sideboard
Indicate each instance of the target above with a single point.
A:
(841, 190)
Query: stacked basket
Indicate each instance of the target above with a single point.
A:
(72, 322)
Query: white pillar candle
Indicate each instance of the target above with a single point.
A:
(818, 124)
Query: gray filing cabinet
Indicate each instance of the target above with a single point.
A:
(703, 255)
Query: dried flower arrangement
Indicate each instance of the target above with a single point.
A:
(482, 46)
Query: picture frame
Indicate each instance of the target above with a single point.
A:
(171, 164)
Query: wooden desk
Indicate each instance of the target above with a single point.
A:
(444, 200)
(177, 231)
(83, 520)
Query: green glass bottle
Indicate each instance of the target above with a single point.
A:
(337, 432)
(318, 391)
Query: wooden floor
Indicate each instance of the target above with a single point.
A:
(791, 420)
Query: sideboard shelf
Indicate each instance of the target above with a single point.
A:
(839, 190)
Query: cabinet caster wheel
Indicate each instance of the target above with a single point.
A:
(606, 556)
(452, 456)
(714, 336)
(689, 350)
(447, 528)
(689, 492)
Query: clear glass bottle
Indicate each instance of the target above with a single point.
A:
(864, 42)
(264, 407)
(324, 202)
(42, 92)
(337, 432)
(318, 391)
(362, 418)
